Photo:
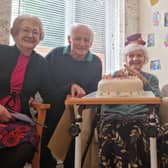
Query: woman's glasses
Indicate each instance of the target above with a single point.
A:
(28, 31)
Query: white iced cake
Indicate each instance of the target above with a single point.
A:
(127, 86)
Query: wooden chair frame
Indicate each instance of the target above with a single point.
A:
(41, 114)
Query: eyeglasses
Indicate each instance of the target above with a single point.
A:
(28, 31)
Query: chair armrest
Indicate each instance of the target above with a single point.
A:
(40, 105)
(41, 111)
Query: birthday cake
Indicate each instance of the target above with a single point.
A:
(127, 86)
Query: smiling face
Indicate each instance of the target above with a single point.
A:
(80, 41)
(27, 36)
(136, 59)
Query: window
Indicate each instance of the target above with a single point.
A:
(104, 16)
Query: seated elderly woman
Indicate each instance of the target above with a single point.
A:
(23, 72)
(123, 141)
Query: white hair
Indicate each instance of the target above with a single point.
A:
(30, 18)
(75, 26)
(134, 47)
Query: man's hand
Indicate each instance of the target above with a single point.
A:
(107, 76)
(77, 91)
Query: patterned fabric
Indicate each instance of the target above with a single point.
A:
(124, 142)
(15, 133)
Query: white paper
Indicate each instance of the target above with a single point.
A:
(22, 117)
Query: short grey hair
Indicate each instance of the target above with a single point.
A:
(16, 24)
(76, 26)
(134, 47)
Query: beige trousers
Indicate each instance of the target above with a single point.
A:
(61, 139)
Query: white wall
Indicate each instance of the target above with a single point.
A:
(5, 15)
(159, 51)
(131, 17)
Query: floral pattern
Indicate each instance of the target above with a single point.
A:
(125, 144)
(12, 134)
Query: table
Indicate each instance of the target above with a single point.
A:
(91, 99)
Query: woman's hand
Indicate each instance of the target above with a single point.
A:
(5, 116)
(77, 91)
(133, 72)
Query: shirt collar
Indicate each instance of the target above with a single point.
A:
(88, 58)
